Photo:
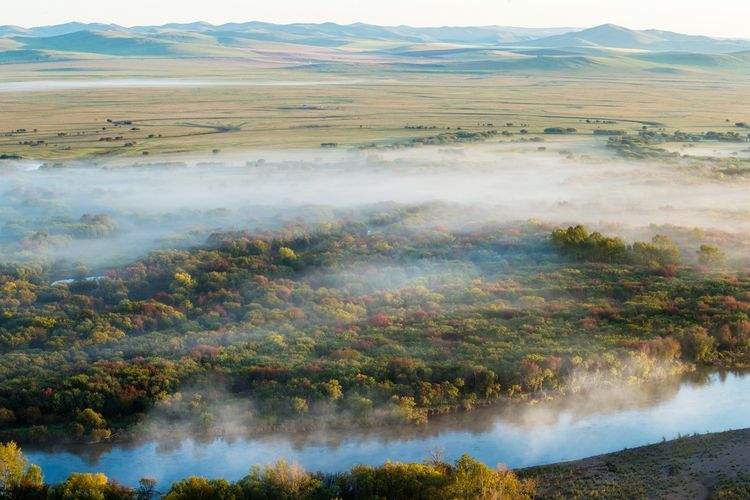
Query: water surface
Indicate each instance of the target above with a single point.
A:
(519, 436)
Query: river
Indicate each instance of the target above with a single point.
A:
(517, 435)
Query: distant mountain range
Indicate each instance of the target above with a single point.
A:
(484, 48)
(328, 34)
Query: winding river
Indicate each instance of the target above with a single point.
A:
(519, 435)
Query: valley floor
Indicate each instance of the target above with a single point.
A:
(105, 109)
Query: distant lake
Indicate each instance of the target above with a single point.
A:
(516, 435)
(100, 83)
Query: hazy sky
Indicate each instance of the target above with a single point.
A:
(728, 18)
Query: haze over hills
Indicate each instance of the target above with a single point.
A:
(610, 35)
(458, 49)
(325, 33)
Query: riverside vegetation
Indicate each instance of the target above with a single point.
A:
(708, 466)
(382, 318)
(466, 478)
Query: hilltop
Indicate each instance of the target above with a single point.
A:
(613, 36)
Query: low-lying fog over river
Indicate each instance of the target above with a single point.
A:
(520, 436)
(97, 217)
(151, 203)
(121, 83)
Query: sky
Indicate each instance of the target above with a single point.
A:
(722, 18)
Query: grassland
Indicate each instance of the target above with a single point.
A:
(238, 106)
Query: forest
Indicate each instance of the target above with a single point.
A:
(379, 318)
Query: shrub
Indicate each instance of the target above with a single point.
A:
(200, 488)
(281, 480)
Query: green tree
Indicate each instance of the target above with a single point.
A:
(15, 471)
(200, 488)
(146, 489)
(281, 480)
(93, 423)
(394, 480)
(709, 255)
(698, 344)
(470, 479)
(81, 486)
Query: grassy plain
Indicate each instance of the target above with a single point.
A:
(241, 106)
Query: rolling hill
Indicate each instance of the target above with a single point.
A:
(453, 49)
(9, 30)
(100, 42)
(308, 33)
(613, 36)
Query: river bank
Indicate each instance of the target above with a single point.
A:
(711, 466)
(522, 436)
(702, 466)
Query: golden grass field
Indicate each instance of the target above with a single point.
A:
(280, 108)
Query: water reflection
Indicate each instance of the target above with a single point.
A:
(517, 435)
